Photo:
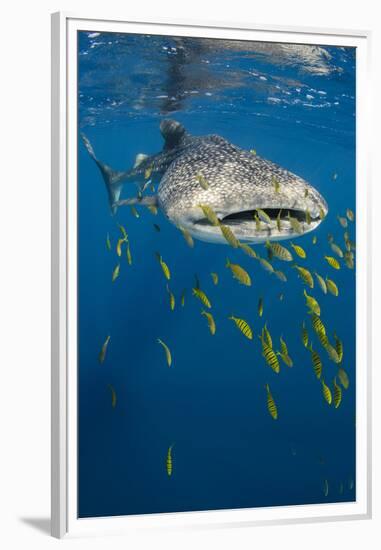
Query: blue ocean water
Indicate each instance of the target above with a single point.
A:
(296, 107)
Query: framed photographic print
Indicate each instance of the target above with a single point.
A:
(211, 275)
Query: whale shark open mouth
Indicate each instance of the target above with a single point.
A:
(273, 213)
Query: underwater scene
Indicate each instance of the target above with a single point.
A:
(216, 274)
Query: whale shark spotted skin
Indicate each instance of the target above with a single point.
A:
(237, 183)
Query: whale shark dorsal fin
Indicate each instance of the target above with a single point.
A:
(172, 132)
(140, 157)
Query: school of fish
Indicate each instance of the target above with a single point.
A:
(322, 345)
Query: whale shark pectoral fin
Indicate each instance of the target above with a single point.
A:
(140, 157)
(113, 180)
(172, 132)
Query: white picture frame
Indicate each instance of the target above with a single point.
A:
(64, 299)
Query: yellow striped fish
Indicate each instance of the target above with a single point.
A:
(308, 217)
(305, 275)
(337, 250)
(323, 338)
(316, 362)
(168, 354)
(182, 298)
(321, 282)
(271, 406)
(144, 187)
(248, 250)
(108, 242)
(311, 303)
(284, 353)
(279, 251)
(332, 262)
(295, 224)
(337, 394)
(332, 287)
(350, 215)
(134, 212)
(299, 250)
(172, 300)
(169, 461)
(276, 184)
(202, 297)
(263, 216)
(148, 172)
(343, 377)
(258, 226)
(123, 231)
(343, 221)
(202, 181)
(128, 253)
(119, 247)
(211, 322)
(229, 236)
(214, 278)
(349, 260)
(325, 488)
(326, 392)
(314, 239)
(187, 237)
(260, 306)
(278, 221)
(164, 267)
(239, 273)
(113, 395)
(317, 324)
(270, 357)
(266, 265)
(280, 275)
(285, 358)
(339, 347)
(102, 353)
(243, 326)
(209, 214)
(267, 336)
(304, 335)
(332, 353)
(115, 273)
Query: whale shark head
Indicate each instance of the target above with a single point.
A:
(235, 184)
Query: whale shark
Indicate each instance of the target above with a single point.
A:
(235, 183)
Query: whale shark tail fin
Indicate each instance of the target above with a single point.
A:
(112, 178)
